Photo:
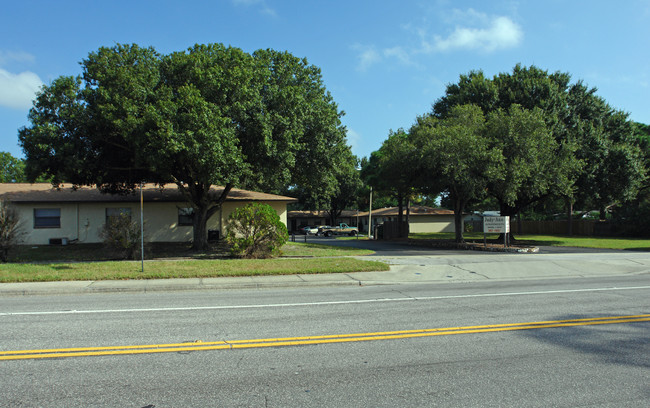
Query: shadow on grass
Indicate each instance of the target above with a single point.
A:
(98, 252)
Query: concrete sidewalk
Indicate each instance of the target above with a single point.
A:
(429, 268)
(153, 285)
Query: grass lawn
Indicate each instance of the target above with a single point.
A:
(307, 249)
(44, 272)
(552, 240)
(81, 262)
(637, 244)
(96, 252)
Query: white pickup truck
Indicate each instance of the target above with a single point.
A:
(341, 229)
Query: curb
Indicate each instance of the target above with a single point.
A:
(164, 285)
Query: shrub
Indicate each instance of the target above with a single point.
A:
(121, 235)
(255, 231)
(9, 229)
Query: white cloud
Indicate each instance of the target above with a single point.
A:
(501, 33)
(474, 31)
(264, 8)
(367, 57)
(399, 53)
(18, 90)
(354, 139)
(10, 56)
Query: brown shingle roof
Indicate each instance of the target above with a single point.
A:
(414, 211)
(44, 192)
(319, 213)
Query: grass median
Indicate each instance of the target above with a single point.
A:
(306, 259)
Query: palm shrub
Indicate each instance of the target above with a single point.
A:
(121, 235)
(256, 231)
(9, 229)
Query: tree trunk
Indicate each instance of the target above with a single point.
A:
(331, 218)
(205, 206)
(603, 213)
(400, 213)
(459, 206)
(200, 232)
(408, 216)
(333, 214)
(569, 209)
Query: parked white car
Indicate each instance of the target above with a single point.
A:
(309, 230)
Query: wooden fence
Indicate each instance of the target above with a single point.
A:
(390, 230)
(579, 227)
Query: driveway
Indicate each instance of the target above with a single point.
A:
(420, 264)
(395, 248)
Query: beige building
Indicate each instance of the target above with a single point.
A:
(51, 216)
(298, 219)
(421, 218)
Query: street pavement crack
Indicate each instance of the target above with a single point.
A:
(470, 271)
(353, 278)
(406, 295)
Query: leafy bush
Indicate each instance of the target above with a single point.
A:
(256, 231)
(633, 218)
(9, 230)
(121, 235)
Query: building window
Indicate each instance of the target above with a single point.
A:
(186, 217)
(47, 218)
(117, 212)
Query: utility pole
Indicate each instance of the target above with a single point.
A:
(142, 226)
(370, 215)
(357, 224)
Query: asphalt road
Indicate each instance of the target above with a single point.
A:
(345, 346)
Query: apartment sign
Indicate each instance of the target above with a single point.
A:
(499, 225)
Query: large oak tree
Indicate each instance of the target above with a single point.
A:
(594, 160)
(210, 115)
(457, 157)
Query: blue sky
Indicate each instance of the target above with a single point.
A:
(385, 62)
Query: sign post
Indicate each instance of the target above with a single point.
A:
(499, 225)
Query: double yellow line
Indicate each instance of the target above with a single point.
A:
(309, 340)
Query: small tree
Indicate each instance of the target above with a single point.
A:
(256, 231)
(457, 157)
(393, 170)
(9, 229)
(122, 236)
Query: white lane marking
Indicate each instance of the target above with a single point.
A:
(326, 303)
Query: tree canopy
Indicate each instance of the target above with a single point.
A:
(457, 157)
(210, 115)
(339, 193)
(594, 160)
(12, 169)
(517, 138)
(391, 170)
